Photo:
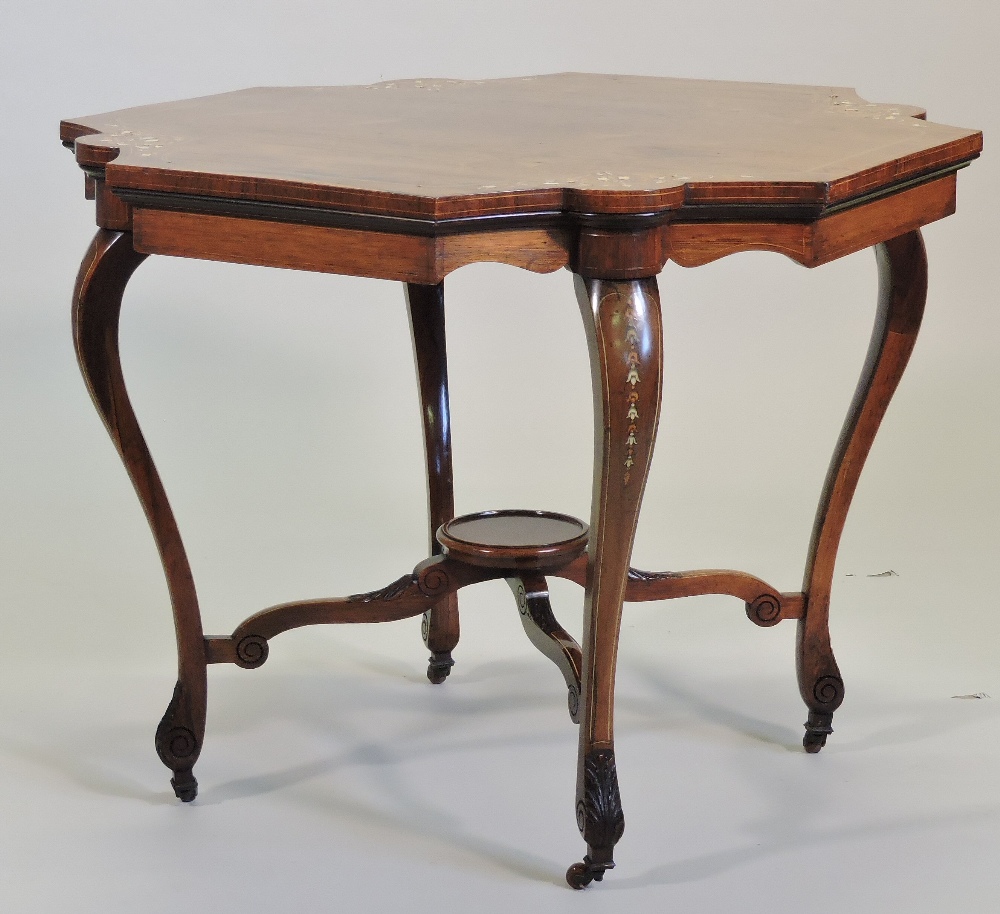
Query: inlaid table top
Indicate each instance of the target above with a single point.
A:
(570, 142)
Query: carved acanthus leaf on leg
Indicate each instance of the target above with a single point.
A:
(599, 814)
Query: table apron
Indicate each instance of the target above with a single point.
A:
(814, 243)
(351, 252)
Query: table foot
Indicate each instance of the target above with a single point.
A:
(439, 629)
(820, 684)
(185, 786)
(599, 817)
(177, 744)
(580, 875)
(817, 730)
(439, 666)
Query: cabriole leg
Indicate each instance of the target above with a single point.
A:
(622, 320)
(104, 273)
(902, 267)
(426, 307)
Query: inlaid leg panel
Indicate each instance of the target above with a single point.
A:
(902, 269)
(622, 321)
(97, 299)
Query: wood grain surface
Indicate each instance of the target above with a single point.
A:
(568, 142)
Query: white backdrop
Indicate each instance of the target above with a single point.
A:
(281, 409)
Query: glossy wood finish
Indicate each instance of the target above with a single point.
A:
(97, 300)
(765, 606)
(411, 595)
(902, 292)
(428, 259)
(425, 304)
(352, 252)
(563, 142)
(532, 595)
(432, 582)
(624, 335)
(513, 538)
(823, 240)
(608, 176)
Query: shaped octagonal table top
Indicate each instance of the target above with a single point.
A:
(571, 142)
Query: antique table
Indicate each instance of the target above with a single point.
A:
(610, 176)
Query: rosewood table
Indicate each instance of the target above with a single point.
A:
(610, 176)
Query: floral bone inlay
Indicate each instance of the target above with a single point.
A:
(631, 380)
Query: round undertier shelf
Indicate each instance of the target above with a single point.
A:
(514, 539)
